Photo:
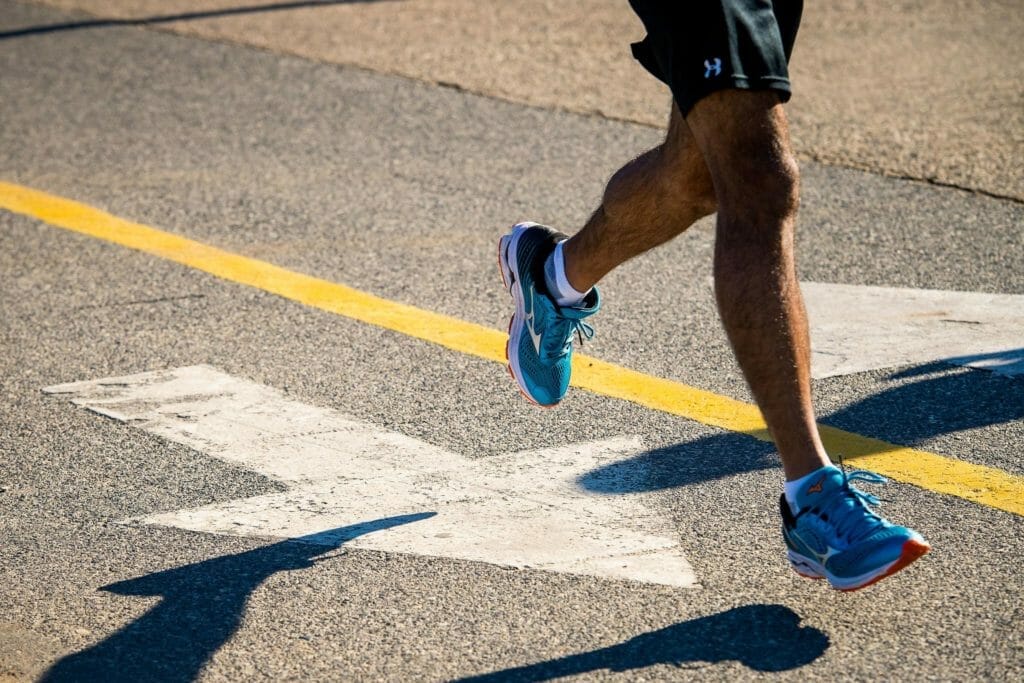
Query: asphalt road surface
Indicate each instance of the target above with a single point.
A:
(401, 188)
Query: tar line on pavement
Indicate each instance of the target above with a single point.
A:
(984, 485)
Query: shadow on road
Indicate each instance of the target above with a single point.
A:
(185, 16)
(761, 637)
(907, 414)
(1010, 361)
(202, 606)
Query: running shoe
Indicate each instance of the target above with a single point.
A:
(540, 334)
(836, 536)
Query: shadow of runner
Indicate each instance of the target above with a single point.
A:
(705, 459)
(168, 18)
(761, 637)
(1009, 362)
(202, 606)
(941, 400)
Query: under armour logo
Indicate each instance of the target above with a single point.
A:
(712, 66)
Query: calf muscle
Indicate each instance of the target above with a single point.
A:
(744, 141)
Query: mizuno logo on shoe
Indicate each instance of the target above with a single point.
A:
(816, 488)
(529, 324)
(822, 558)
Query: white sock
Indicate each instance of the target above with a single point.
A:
(561, 291)
(793, 487)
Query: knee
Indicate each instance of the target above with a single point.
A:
(687, 182)
(758, 201)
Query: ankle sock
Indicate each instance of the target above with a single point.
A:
(559, 288)
(792, 488)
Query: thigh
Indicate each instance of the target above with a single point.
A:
(743, 138)
(683, 162)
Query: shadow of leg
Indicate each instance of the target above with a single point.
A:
(762, 637)
(202, 606)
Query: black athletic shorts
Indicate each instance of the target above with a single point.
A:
(699, 46)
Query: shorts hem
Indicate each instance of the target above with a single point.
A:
(686, 101)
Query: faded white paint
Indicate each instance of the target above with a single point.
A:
(857, 328)
(520, 510)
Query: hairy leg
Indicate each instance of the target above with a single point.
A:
(744, 139)
(647, 202)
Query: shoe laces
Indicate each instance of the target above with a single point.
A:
(582, 330)
(848, 510)
(564, 327)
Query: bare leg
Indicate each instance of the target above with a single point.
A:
(732, 152)
(647, 202)
(745, 142)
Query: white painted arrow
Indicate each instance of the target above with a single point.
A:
(519, 510)
(856, 328)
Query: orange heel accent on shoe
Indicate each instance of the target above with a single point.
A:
(500, 269)
(912, 550)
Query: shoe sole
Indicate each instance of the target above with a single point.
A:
(508, 255)
(809, 569)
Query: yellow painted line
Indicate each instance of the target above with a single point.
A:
(985, 485)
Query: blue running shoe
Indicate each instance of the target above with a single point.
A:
(540, 333)
(835, 535)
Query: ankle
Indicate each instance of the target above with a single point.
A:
(799, 470)
(558, 284)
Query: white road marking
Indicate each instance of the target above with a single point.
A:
(519, 510)
(857, 328)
